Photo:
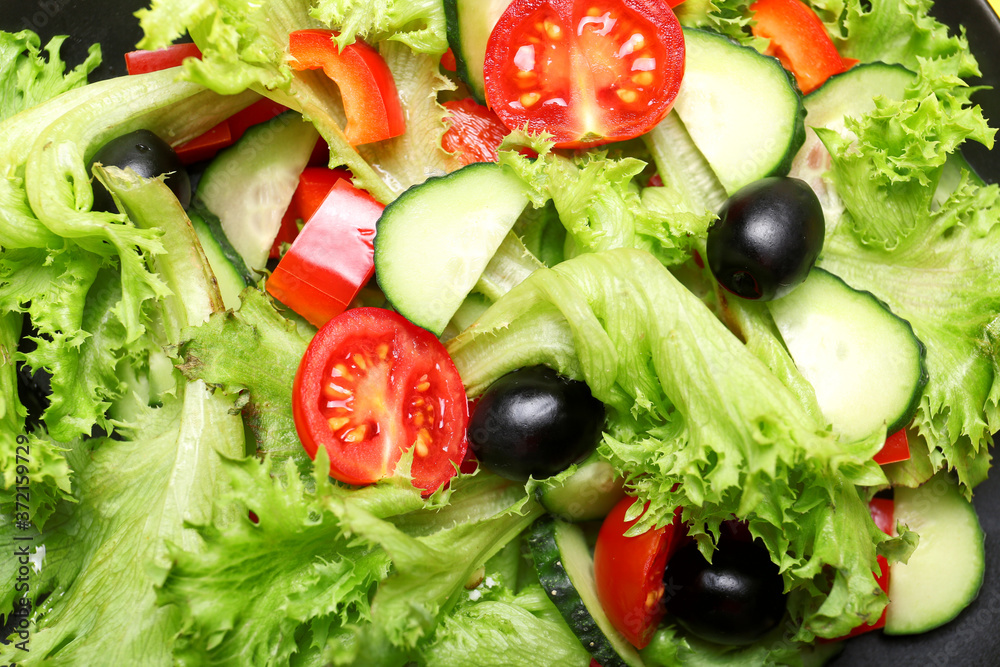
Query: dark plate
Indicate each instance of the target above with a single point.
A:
(973, 640)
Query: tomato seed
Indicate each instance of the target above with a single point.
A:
(553, 30)
(337, 423)
(423, 439)
(642, 78)
(333, 392)
(418, 419)
(627, 95)
(341, 371)
(423, 386)
(530, 99)
(356, 434)
(382, 351)
(359, 361)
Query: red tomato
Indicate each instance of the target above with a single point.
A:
(585, 72)
(315, 184)
(141, 62)
(372, 385)
(474, 132)
(629, 572)
(798, 40)
(367, 88)
(332, 258)
(896, 448)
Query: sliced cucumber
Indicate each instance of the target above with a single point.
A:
(850, 94)
(589, 493)
(434, 241)
(682, 167)
(510, 265)
(231, 272)
(865, 363)
(945, 571)
(470, 23)
(566, 571)
(742, 109)
(250, 184)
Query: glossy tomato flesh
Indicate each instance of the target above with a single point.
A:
(585, 72)
(474, 132)
(332, 258)
(629, 572)
(372, 385)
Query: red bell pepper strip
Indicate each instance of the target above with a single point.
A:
(332, 258)
(367, 88)
(895, 449)
(799, 40)
(205, 146)
(142, 62)
(448, 60)
(315, 184)
(260, 111)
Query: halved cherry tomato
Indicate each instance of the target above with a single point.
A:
(332, 258)
(629, 572)
(798, 40)
(372, 385)
(587, 72)
(895, 449)
(474, 132)
(315, 184)
(367, 88)
(142, 62)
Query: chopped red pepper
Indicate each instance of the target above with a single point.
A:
(448, 60)
(260, 111)
(895, 449)
(799, 40)
(143, 62)
(367, 88)
(205, 146)
(332, 257)
(315, 184)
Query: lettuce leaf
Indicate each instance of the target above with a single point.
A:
(420, 24)
(698, 422)
(729, 17)
(27, 79)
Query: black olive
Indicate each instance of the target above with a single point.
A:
(147, 155)
(734, 600)
(766, 239)
(534, 422)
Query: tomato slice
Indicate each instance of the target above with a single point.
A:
(629, 572)
(372, 385)
(474, 132)
(585, 72)
(799, 40)
(367, 88)
(332, 258)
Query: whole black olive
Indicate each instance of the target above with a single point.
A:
(147, 155)
(534, 422)
(734, 600)
(766, 239)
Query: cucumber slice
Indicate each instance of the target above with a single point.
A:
(589, 493)
(865, 363)
(231, 273)
(566, 571)
(742, 109)
(682, 167)
(435, 240)
(850, 94)
(470, 23)
(250, 184)
(945, 571)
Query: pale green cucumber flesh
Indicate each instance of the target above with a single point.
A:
(230, 278)
(566, 571)
(865, 363)
(434, 241)
(250, 184)
(589, 493)
(944, 573)
(470, 23)
(741, 108)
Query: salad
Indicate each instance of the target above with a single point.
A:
(185, 479)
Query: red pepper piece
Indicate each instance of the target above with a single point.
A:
(143, 62)
(895, 449)
(367, 88)
(448, 60)
(205, 146)
(315, 184)
(799, 40)
(332, 258)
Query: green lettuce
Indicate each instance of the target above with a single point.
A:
(698, 421)
(420, 24)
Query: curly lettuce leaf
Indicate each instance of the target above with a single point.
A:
(731, 18)
(253, 353)
(27, 78)
(699, 422)
(133, 498)
(420, 24)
